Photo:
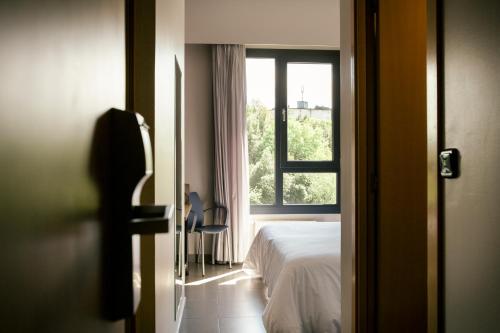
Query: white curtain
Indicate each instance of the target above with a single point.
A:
(231, 157)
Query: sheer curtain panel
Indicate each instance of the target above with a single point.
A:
(231, 156)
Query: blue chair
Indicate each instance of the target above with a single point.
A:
(195, 223)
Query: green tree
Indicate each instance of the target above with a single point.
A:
(260, 132)
(309, 139)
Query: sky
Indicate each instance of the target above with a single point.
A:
(315, 79)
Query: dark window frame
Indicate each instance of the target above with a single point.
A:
(282, 165)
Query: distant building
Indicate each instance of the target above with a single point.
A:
(303, 111)
(320, 114)
(302, 105)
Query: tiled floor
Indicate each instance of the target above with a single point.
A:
(224, 301)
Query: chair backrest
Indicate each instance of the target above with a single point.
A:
(196, 211)
(220, 215)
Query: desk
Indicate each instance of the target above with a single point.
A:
(187, 209)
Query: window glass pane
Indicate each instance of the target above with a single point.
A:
(309, 188)
(309, 116)
(260, 129)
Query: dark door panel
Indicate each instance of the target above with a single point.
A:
(62, 66)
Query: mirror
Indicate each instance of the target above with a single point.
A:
(179, 196)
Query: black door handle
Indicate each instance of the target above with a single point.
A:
(148, 220)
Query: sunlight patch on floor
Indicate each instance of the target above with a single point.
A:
(235, 280)
(213, 278)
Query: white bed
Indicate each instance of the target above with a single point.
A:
(300, 265)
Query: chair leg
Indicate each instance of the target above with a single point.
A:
(202, 254)
(228, 248)
(198, 250)
(179, 255)
(186, 254)
(214, 237)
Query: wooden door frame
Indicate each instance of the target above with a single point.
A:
(366, 153)
(358, 163)
(358, 81)
(433, 184)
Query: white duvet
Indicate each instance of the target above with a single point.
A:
(300, 265)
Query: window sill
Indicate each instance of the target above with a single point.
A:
(296, 217)
(296, 209)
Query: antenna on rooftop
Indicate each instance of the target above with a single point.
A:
(302, 104)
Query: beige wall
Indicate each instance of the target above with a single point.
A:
(199, 128)
(469, 120)
(283, 22)
(169, 45)
(155, 97)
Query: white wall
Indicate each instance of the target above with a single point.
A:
(278, 22)
(199, 129)
(348, 167)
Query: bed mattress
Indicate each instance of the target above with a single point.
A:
(299, 263)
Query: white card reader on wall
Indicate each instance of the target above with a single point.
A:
(449, 160)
